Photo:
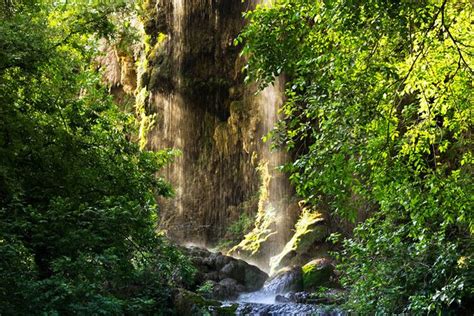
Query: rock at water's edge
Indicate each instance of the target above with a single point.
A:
(286, 280)
(317, 273)
(229, 276)
(189, 303)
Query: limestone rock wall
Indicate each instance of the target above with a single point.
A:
(192, 74)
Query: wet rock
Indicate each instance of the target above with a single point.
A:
(231, 269)
(250, 276)
(329, 297)
(229, 283)
(306, 243)
(213, 276)
(221, 261)
(282, 299)
(193, 76)
(297, 297)
(254, 277)
(227, 289)
(285, 309)
(253, 309)
(301, 297)
(287, 280)
(224, 310)
(196, 252)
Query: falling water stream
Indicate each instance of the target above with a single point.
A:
(225, 165)
(213, 184)
(211, 179)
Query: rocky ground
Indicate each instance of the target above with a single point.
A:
(229, 286)
(224, 276)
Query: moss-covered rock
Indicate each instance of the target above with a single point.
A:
(317, 273)
(310, 230)
(223, 277)
(192, 72)
(189, 303)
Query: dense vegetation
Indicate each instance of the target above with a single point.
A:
(379, 119)
(77, 196)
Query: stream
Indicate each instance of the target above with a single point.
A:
(244, 289)
(262, 304)
(272, 299)
(277, 297)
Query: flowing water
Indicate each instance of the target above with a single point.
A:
(274, 299)
(217, 177)
(264, 302)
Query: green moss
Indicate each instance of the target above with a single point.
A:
(316, 273)
(189, 303)
(308, 230)
(206, 288)
(238, 229)
(157, 48)
(237, 106)
(266, 216)
(146, 121)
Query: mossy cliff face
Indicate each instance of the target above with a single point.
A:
(190, 73)
(186, 84)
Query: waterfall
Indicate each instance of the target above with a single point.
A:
(204, 110)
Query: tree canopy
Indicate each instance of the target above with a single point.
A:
(77, 196)
(379, 119)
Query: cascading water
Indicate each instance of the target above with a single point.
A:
(272, 299)
(174, 107)
(191, 85)
(276, 210)
(203, 109)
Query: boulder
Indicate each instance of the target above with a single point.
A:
(227, 289)
(249, 276)
(189, 303)
(212, 276)
(254, 277)
(228, 275)
(316, 273)
(221, 261)
(306, 243)
(282, 299)
(232, 269)
(232, 283)
(286, 280)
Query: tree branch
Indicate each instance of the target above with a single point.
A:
(455, 42)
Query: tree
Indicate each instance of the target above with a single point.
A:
(77, 196)
(379, 119)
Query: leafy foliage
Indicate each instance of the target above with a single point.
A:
(206, 288)
(379, 118)
(236, 232)
(77, 196)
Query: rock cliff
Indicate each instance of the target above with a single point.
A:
(195, 90)
(190, 95)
